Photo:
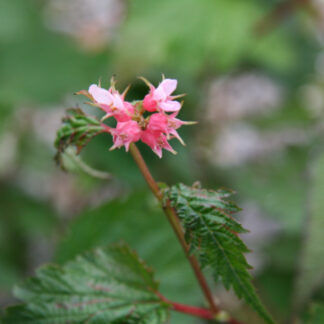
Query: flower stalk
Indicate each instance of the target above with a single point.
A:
(176, 225)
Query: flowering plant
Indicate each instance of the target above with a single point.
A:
(155, 129)
(112, 284)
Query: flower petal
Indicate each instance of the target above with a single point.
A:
(159, 94)
(170, 105)
(168, 86)
(100, 95)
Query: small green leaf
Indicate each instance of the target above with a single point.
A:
(110, 285)
(77, 130)
(212, 234)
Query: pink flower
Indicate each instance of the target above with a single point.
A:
(158, 122)
(112, 102)
(125, 133)
(160, 98)
(156, 141)
(167, 124)
(133, 122)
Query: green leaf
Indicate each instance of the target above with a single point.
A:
(126, 217)
(310, 274)
(212, 234)
(110, 285)
(77, 130)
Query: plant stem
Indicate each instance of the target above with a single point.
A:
(176, 225)
(194, 311)
(145, 171)
(186, 309)
(191, 310)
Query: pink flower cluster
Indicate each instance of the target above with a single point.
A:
(152, 120)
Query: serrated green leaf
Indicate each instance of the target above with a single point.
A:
(104, 225)
(212, 234)
(310, 274)
(110, 285)
(77, 130)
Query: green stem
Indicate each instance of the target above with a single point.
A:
(176, 225)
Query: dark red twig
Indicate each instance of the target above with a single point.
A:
(194, 311)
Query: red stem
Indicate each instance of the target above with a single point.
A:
(176, 225)
(198, 312)
(193, 311)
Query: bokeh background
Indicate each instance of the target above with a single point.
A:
(253, 72)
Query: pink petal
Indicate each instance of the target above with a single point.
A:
(159, 94)
(149, 138)
(121, 116)
(158, 123)
(170, 105)
(168, 86)
(118, 102)
(149, 103)
(173, 122)
(177, 136)
(158, 151)
(100, 95)
(127, 145)
(168, 147)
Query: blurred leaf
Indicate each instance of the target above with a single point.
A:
(110, 285)
(13, 19)
(22, 220)
(311, 263)
(276, 286)
(23, 215)
(212, 233)
(315, 314)
(283, 252)
(190, 43)
(9, 274)
(77, 130)
(277, 185)
(37, 65)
